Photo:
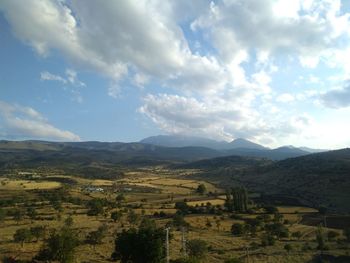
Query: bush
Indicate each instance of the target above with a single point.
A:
(332, 235)
(60, 247)
(197, 248)
(288, 247)
(267, 240)
(145, 245)
(237, 229)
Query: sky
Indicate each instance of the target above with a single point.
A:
(276, 72)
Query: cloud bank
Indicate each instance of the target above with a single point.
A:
(215, 61)
(20, 122)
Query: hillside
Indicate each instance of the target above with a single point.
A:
(184, 141)
(320, 179)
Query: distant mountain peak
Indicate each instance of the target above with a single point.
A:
(244, 143)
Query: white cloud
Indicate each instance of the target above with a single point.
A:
(70, 78)
(308, 31)
(337, 98)
(212, 117)
(45, 75)
(285, 98)
(19, 122)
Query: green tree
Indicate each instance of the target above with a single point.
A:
(95, 207)
(237, 229)
(147, 223)
(332, 235)
(346, 233)
(95, 237)
(267, 239)
(182, 207)
(37, 232)
(116, 215)
(208, 224)
(133, 218)
(60, 246)
(288, 248)
(69, 221)
(3, 214)
(120, 198)
(297, 235)
(197, 248)
(22, 235)
(320, 238)
(218, 223)
(270, 209)
(201, 189)
(179, 220)
(145, 245)
(31, 213)
(57, 205)
(17, 215)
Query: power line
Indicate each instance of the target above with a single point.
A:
(167, 244)
(183, 242)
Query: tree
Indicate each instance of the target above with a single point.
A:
(56, 204)
(37, 232)
(218, 223)
(270, 209)
(267, 240)
(277, 229)
(22, 235)
(3, 214)
(116, 216)
(120, 198)
(237, 229)
(95, 237)
(132, 217)
(237, 200)
(147, 223)
(145, 245)
(322, 210)
(346, 233)
(31, 213)
(332, 235)
(60, 246)
(95, 207)
(201, 189)
(69, 221)
(320, 238)
(208, 223)
(297, 235)
(182, 207)
(179, 221)
(197, 248)
(288, 247)
(17, 215)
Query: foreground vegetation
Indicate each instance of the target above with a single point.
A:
(45, 215)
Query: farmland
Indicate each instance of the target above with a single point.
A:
(152, 192)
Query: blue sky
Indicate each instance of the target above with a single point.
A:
(275, 72)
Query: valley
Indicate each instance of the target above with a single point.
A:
(88, 190)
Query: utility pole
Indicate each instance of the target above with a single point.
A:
(184, 252)
(247, 253)
(167, 244)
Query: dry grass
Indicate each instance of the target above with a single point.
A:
(27, 185)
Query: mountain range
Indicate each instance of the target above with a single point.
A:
(184, 141)
(179, 148)
(239, 146)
